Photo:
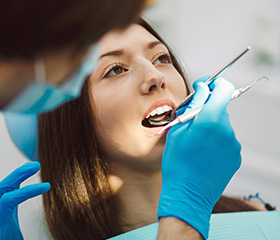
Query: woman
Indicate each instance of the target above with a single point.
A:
(98, 152)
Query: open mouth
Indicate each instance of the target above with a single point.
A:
(158, 117)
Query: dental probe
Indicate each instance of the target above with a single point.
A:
(208, 81)
(191, 114)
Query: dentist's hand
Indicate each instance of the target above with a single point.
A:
(200, 158)
(11, 196)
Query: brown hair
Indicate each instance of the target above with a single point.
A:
(79, 204)
(230, 204)
(30, 28)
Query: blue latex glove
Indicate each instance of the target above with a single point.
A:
(11, 196)
(200, 158)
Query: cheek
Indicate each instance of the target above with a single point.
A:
(178, 86)
(113, 125)
(108, 119)
(108, 131)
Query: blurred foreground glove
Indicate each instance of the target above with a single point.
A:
(11, 196)
(200, 158)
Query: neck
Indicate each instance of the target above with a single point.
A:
(136, 194)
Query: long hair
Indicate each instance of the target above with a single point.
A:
(31, 28)
(79, 204)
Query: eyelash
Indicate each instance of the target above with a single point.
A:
(164, 55)
(112, 67)
(117, 65)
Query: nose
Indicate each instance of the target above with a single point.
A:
(152, 79)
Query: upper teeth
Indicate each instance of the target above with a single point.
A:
(160, 110)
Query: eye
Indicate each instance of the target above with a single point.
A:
(114, 70)
(163, 59)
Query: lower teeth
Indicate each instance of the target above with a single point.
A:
(157, 123)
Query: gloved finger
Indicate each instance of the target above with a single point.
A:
(11, 199)
(200, 96)
(183, 109)
(15, 178)
(220, 97)
(203, 79)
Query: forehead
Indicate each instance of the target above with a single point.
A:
(133, 36)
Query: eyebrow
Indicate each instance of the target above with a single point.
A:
(120, 52)
(152, 44)
(112, 53)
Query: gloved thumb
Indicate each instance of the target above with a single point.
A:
(200, 96)
(203, 79)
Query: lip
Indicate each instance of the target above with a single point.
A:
(159, 103)
(154, 131)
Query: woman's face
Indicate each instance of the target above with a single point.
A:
(134, 79)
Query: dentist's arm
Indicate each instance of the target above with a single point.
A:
(199, 159)
(11, 196)
(174, 228)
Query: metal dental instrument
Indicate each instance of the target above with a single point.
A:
(208, 81)
(191, 114)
